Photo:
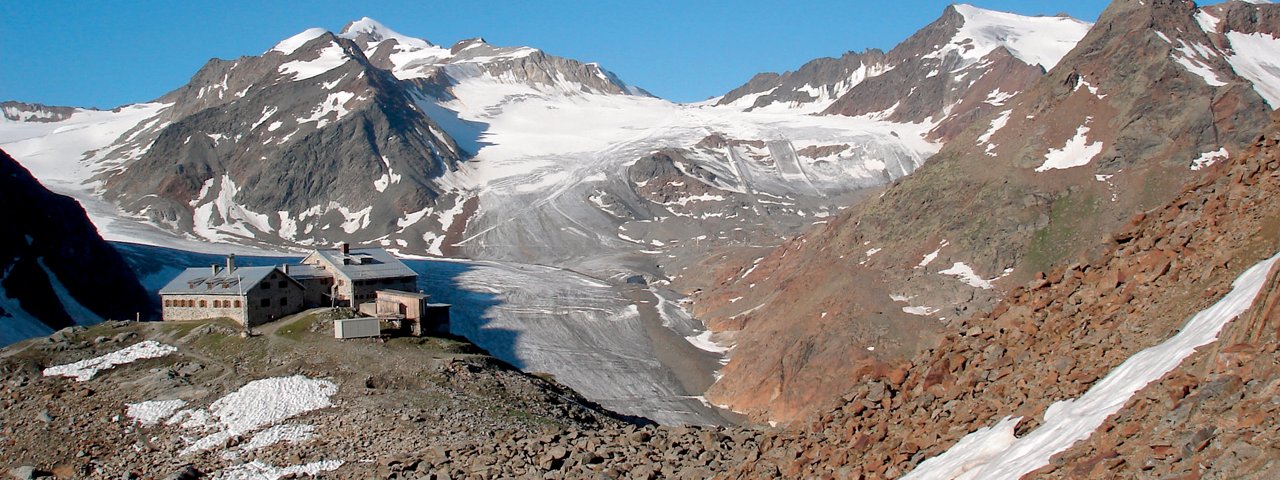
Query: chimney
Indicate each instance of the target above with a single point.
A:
(215, 270)
(285, 268)
(344, 247)
(231, 263)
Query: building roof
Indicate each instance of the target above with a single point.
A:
(365, 263)
(203, 281)
(306, 272)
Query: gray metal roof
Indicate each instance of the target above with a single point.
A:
(366, 263)
(306, 272)
(203, 281)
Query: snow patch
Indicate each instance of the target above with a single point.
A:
(1077, 152)
(921, 311)
(996, 124)
(151, 412)
(966, 274)
(85, 370)
(1208, 159)
(331, 57)
(292, 44)
(256, 470)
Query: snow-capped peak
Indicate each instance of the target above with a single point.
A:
(292, 44)
(1035, 40)
(377, 32)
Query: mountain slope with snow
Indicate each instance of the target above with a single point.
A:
(968, 62)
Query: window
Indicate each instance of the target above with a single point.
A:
(203, 304)
(237, 303)
(265, 285)
(266, 302)
(341, 282)
(284, 301)
(167, 302)
(217, 304)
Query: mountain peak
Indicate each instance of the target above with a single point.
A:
(373, 31)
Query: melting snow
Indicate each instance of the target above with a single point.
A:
(85, 369)
(966, 274)
(263, 402)
(292, 44)
(153, 411)
(1256, 56)
(995, 453)
(1193, 57)
(331, 57)
(921, 311)
(292, 433)
(1077, 152)
(932, 255)
(256, 470)
(1207, 159)
(387, 179)
(996, 124)
(334, 102)
(704, 342)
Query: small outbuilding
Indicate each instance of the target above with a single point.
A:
(362, 327)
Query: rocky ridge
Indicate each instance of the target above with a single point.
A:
(950, 73)
(890, 273)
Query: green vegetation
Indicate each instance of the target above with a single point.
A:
(1068, 217)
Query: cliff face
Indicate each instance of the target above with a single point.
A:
(55, 270)
(1055, 337)
(1117, 127)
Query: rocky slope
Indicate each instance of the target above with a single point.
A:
(1055, 337)
(55, 270)
(206, 400)
(1115, 128)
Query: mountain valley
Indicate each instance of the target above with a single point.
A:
(1008, 247)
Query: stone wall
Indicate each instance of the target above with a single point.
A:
(175, 309)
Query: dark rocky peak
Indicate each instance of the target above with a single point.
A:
(304, 56)
(34, 112)
(468, 43)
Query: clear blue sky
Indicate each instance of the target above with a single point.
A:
(108, 53)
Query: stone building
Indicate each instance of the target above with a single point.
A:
(256, 295)
(357, 274)
(249, 295)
